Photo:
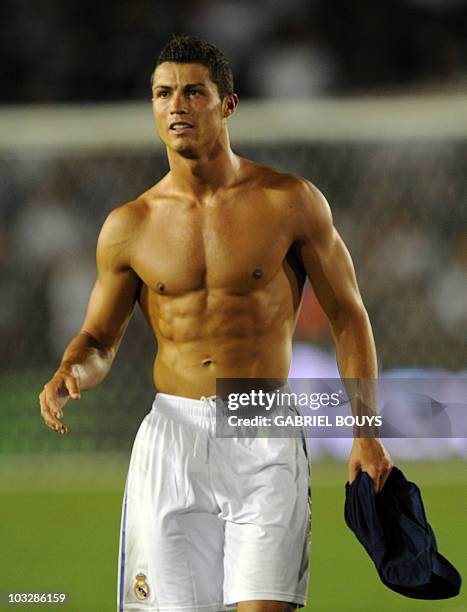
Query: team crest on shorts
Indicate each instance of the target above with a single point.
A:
(141, 587)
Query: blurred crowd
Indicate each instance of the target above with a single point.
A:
(61, 50)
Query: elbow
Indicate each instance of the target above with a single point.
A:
(352, 319)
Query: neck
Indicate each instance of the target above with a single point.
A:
(202, 176)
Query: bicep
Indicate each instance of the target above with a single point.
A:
(110, 306)
(327, 261)
(116, 289)
(332, 275)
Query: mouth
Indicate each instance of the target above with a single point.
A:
(180, 127)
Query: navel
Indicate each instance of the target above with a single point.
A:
(207, 362)
(257, 273)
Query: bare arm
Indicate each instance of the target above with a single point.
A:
(330, 269)
(89, 356)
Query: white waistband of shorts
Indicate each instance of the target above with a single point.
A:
(185, 407)
(177, 406)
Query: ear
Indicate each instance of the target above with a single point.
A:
(229, 104)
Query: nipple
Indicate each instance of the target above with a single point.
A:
(257, 273)
(160, 287)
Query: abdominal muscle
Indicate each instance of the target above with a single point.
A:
(215, 333)
(183, 369)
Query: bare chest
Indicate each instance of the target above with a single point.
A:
(235, 247)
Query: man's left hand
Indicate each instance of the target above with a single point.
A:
(369, 455)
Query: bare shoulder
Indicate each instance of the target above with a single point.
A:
(124, 221)
(302, 201)
(311, 210)
(285, 183)
(120, 232)
(266, 177)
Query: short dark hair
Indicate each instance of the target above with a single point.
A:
(183, 49)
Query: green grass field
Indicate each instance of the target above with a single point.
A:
(60, 519)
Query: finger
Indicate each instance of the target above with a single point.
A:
(72, 387)
(45, 411)
(354, 469)
(50, 420)
(374, 474)
(41, 402)
(377, 484)
(50, 408)
(51, 402)
(384, 477)
(61, 429)
(55, 425)
(51, 399)
(381, 480)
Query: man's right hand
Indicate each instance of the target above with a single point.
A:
(64, 385)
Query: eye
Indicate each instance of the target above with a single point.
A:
(193, 92)
(162, 93)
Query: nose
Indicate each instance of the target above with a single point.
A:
(178, 104)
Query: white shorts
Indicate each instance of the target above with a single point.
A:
(208, 522)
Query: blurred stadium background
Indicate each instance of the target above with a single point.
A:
(368, 101)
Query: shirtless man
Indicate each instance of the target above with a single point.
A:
(216, 254)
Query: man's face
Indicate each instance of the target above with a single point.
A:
(187, 108)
